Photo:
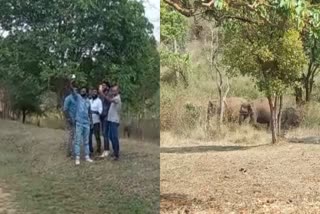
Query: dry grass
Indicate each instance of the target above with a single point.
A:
(6, 201)
(242, 173)
(34, 167)
(233, 169)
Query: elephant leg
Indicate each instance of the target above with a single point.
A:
(253, 121)
(240, 119)
(268, 127)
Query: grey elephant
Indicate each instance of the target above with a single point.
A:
(258, 111)
(291, 118)
(231, 108)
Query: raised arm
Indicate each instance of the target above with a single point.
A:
(105, 96)
(111, 99)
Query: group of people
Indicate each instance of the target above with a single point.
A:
(89, 111)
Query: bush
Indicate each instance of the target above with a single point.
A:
(191, 115)
(166, 107)
(311, 115)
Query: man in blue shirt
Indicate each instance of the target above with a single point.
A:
(83, 122)
(69, 109)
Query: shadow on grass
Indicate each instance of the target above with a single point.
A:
(305, 140)
(199, 149)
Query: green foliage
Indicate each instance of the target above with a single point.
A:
(20, 73)
(173, 33)
(173, 24)
(274, 59)
(176, 63)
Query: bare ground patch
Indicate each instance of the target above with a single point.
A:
(258, 178)
(6, 202)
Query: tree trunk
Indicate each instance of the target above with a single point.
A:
(24, 114)
(307, 92)
(273, 112)
(175, 48)
(221, 107)
(298, 94)
(280, 114)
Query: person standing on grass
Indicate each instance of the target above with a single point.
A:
(104, 90)
(114, 119)
(96, 111)
(83, 123)
(69, 109)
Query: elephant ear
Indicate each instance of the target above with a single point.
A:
(242, 107)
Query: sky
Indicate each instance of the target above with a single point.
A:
(152, 8)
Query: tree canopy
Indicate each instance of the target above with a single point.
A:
(95, 40)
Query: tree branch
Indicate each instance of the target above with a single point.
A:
(243, 19)
(188, 12)
(184, 11)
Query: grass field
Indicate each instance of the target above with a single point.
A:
(243, 173)
(36, 177)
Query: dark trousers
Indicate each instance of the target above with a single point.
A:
(106, 136)
(96, 131)
(114, 137)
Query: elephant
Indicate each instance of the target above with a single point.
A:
(231, 108)
(291, 118)
(258, 111)
(127, 129)
(132, 130)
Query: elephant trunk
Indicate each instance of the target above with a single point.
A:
(240, 118)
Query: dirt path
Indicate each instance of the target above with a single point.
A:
(6, 206)
(215, 178)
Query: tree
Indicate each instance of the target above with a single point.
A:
(272, 56)
(173, 35)
(217, 68)
(312, 49)
(23, 82)
(148, 79)
(95, 40)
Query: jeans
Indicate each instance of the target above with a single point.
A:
(106, 135)
(114, 137)
(82, 136)
(96, 131)
(70, 142)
